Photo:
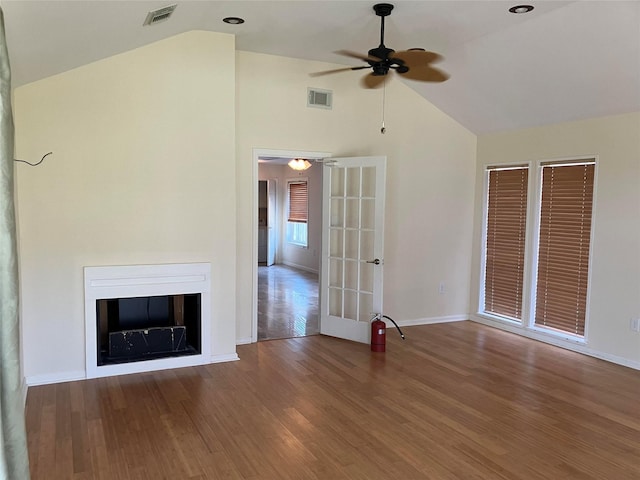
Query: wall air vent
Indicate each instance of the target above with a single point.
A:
(160, 15)
(319, 98)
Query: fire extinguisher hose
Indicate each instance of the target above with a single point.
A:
(394, 322)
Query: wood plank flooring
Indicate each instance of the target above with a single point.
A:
(453, 401)
(287, 302)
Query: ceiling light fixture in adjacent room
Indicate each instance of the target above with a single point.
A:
(521, 9)
(233, 20)
(299, 164)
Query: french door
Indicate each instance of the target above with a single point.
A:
(352, 246)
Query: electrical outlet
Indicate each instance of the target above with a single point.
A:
(441, 288)
(634, 324)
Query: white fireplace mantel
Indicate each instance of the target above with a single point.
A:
(145, 281)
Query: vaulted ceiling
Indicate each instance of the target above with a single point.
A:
(563, 61)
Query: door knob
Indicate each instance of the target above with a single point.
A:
(375, 261)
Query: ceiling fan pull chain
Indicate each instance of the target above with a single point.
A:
(384, 97)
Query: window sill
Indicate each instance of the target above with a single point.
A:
(534, 331)
(298, 245)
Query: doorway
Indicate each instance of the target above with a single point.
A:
(286, 294)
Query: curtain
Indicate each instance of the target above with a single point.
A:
(14, 459)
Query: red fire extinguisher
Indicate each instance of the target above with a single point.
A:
(379, 333)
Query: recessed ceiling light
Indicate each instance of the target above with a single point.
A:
(521, 9)
(233, 20)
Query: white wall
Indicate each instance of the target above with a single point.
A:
(615, 269)
(143, 172)
(430, 176)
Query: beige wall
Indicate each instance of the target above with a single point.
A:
(143, 172)
(615, 269)
(430, 176)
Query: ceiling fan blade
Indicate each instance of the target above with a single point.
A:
(337, 70)
(373, 81)
(425, 74)
(417, 57)
(366, 58)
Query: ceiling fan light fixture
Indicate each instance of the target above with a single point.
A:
(233, 20)
(299, 164)
(518, 9)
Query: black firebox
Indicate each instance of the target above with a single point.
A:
(145, 328)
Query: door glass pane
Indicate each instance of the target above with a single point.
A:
(336, 247)
(367, 215)
(351, 275)
(368, 182)
(353, 182)
(337, 182)
(351, 249)
(337, 212)
(352, 217)
(366, 277)
(366, 307)
(335, 273)
(335, 302)
(350, 305)
(366, 245)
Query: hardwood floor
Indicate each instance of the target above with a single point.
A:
(453, 401)
(287, 302)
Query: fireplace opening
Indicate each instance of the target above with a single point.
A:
(145, 328)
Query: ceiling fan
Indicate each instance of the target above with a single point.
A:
(413, 63)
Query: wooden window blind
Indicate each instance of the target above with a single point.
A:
(298, 202)
(563, 251)
(506, 228)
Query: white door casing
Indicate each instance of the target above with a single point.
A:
(271, 222)
(352, 246)
(257, 154)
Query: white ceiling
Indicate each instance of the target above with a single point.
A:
(563, 61)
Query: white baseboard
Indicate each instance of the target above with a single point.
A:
(300, 267)
(432, 320)
(225, 357)
(244, 341)
(61, 377)
(24, 387)
(558, 342)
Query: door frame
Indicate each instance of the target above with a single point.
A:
(257, 154)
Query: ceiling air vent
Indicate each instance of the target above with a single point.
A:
(160, 15)
(319, 98)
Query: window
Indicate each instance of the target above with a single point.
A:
(563, 246)
(559, 265)
(297, 218)
(505, 241)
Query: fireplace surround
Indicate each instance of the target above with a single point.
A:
(142, 318)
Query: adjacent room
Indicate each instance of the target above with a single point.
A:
(212, 211)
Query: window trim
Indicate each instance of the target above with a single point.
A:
(287, 236)
(532, 241)
(482, 306)
(535, 241)
(483, 262)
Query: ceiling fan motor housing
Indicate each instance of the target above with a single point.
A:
(383, 9)
(381, 52)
